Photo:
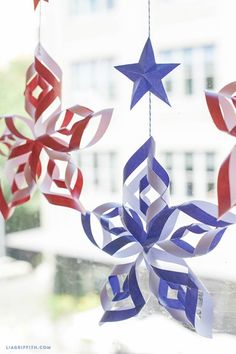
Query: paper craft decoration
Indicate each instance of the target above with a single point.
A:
(222, 107)
(143, 231)
(147, 75)
(42, 157)
(36, 2)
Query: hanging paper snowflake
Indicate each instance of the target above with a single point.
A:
(143, 228)
(42, 157)
(222, 107)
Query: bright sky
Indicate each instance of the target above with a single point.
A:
(18, 26)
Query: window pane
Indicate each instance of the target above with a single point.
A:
(166, 57)
(189, 189)
(168, 85)
(189, 161)
(210, 83)
(210, 161)
(95, 75)
(188, 86)
(210, 186)
(168, 160)
(100, 169)
(80, 7)
(210, 173)
(94, 5)
(188, 71)
(111, 4)
(209, 66)
(168, 156)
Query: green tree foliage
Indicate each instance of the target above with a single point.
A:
(12, 86)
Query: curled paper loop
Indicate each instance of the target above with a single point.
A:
(7, 140)
(156, 243)
(65, 133)
(42, 156)
(124, 285)
(43, 88)
(180, 292)
(151, 184)
(69, 184)
(14, 130)
(222, 107)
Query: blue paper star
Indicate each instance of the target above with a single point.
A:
(147, 75)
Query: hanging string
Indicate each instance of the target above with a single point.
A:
(150, 114)
(150, 95)
(149, 18)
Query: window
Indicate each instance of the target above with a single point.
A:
(210, 161)
(197, 69)
(189, 189)
(169, 167)
(210, 173)
(188, 161)
(100, 169)
(110, 4)
(93, 76)
(188, 70)
(209, 54)
(81, 7)
(189, 174)
(169, 160)
(166, 57)
(184, 169)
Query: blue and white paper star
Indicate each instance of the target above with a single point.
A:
(153, 239)
(147, 75)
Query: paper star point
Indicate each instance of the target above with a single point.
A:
(147, 75)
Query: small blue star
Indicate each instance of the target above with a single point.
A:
(147, 75)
